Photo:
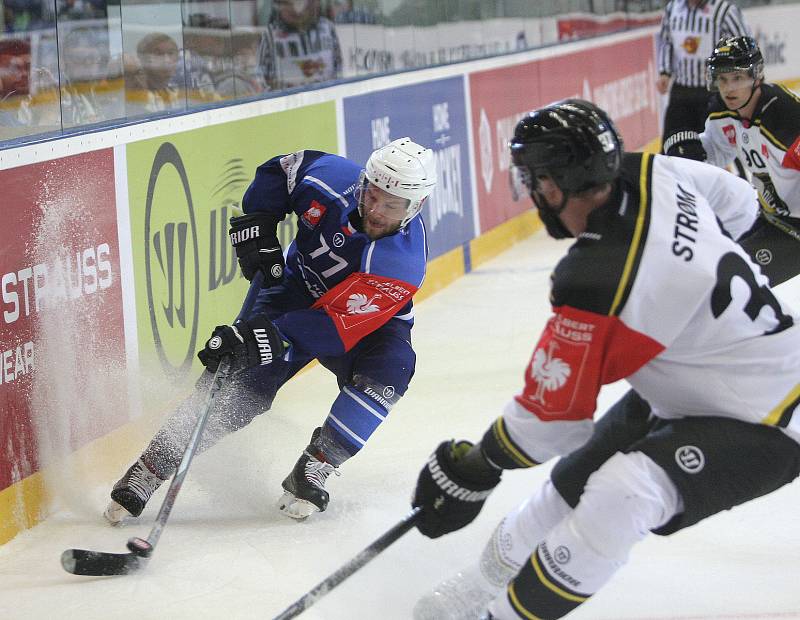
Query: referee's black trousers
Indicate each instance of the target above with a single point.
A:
(687, 110)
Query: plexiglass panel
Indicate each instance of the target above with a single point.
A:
(68, 65)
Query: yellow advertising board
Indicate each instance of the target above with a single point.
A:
(183, 188)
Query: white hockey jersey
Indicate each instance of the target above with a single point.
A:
(657, 291)
(768, 145)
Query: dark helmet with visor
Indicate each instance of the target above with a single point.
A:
(574, 143)
(734, 54)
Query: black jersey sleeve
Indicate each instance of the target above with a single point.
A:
(598, 272)
(780, 115)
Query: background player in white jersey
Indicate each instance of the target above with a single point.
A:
(689, 29)
(656, 291)
(759, 123)
(343, 296)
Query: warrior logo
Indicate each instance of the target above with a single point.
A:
(264, 346)
(764, 256)
(561, 554)
(730, 133)
(690, 459)
(171, 262)
(358, 303)
(550, 373)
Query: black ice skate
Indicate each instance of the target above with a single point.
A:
(305, 486)
(131, 493)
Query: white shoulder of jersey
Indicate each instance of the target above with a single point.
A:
(733, 200)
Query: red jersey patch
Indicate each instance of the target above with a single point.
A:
(765, 151)
(314, 214)
(362, 302)
(730, 133)
(579, 352)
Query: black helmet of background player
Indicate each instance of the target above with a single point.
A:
(574, 143)
(735, 54)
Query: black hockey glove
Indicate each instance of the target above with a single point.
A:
(254, 236)
(449, 496)
(255, 342)
(685, 144)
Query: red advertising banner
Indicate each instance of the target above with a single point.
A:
(579, 26)
(61, 333)
(619, 77)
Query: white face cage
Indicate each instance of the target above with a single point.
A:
(405, 169)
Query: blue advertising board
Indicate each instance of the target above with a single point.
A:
(434, 115)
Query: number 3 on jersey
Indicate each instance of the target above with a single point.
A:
(732, 265)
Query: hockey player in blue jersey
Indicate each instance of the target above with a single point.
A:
(342, 295)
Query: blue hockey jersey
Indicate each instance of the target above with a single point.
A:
(353, 284)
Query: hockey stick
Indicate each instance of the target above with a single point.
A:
(781, 225)
(338, 576)
(101, 563)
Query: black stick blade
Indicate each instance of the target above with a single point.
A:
(99, 563)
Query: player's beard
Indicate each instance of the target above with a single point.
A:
(376, 226)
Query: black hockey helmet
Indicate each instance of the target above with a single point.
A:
(572, 141)
(734, 54)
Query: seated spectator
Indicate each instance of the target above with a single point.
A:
(91, 90)
(247, 79)
(159, 80)
(154, 80)
(15, 87)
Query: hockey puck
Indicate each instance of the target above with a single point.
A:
(140, 547)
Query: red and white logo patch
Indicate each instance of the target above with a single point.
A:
(553, 375)
(730, 133)
(765, 151)
(362, 302)
(314, 213)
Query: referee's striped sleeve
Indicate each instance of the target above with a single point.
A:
(733, 24)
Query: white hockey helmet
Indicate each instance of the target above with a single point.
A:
(405, 169)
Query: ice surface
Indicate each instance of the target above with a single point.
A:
(228, 553)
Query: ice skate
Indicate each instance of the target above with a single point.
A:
(467, 594)
(304, 487)
(131, 493)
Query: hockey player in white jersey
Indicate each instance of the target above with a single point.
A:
(654, 290)
(758, 123)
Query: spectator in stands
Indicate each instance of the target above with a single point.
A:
(299, 46)
(247, 79)
(154, 79)
(91, 89)
(15, 76)
(343, 12)
(157, 80)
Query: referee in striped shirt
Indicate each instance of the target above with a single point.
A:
(689, 30)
